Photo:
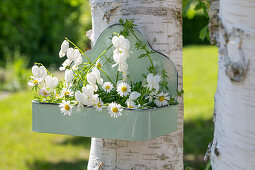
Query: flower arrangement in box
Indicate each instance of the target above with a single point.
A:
(120, 73)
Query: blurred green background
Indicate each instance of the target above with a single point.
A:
(33, 31)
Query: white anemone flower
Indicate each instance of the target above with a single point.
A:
(123, 89)
(43, 92)
(161, 99)
(64, 47)
(99, 105)
(69, 76)
(67, 92)
(66, 63)
(153, 82)
(107, 86)
(39, 73)
(66, 108)
(51, 82)
(114, 109)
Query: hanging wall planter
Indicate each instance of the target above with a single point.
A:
(140, 123)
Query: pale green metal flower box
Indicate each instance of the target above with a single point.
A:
(133, 125)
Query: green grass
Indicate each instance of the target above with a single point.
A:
(200, 80)
(22, 149)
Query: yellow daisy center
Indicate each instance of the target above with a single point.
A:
(99, 65)
(45, 93)
(107, 87)
(67, 107)
(123, 89)
(99, 105)
(67, 93)
(130, 106)
(161, 98)
(57, 96)
(35, 81)
(114, 109)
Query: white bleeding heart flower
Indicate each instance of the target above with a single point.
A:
(51, 82)
(153, 82)
(94, 77)
(80, 98)
(134, 95)
(88, 91)
(39, 73)
(125, 44)
(77, 62)
(71, 54)
(66, 63)
(69, 76)
(118, 41)
(64, 47)
(96, 72)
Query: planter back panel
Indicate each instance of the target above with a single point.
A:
(136, 66)
(133, 124)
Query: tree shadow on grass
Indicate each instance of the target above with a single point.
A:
(77, 141)
(197, 135)
(62, 165)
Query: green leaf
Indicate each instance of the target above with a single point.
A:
(203, 33)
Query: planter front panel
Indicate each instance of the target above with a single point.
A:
(132, 125)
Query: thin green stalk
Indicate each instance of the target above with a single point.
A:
(98, 59)
(107, 77)
(145, 51)
(78, 49)
(117, 77)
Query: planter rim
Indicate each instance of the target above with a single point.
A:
(154, 108)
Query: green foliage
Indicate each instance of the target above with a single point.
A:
(15, 75)
(37, 28)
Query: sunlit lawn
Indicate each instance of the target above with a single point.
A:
(21, 149)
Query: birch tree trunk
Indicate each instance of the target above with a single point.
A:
(233, 146)
(161, 23)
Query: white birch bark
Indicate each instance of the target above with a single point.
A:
(161, 23)
(233, 146)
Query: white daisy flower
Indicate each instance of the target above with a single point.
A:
(131, 104)
(67, 92)
(43, 92)
(123, 89)
(33, 82)
(99, 64)
(161, 99)
(107, 86)
(66, 108)
(114, 109)
(99, 105)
